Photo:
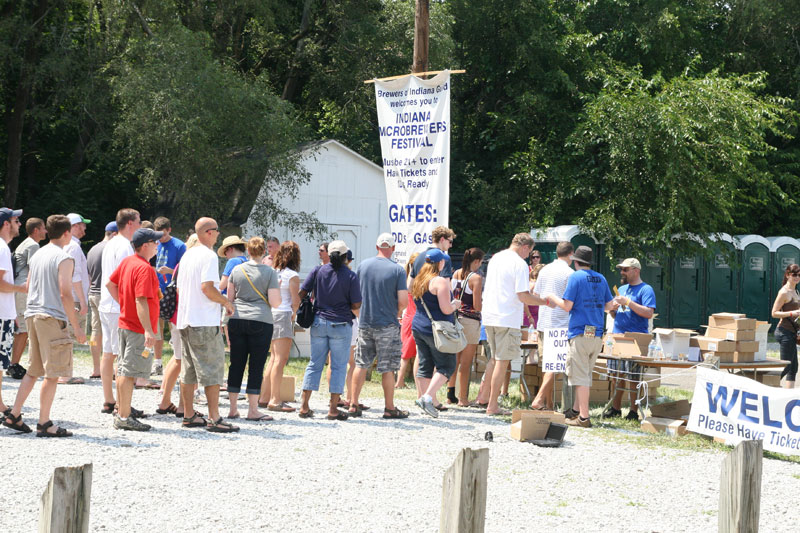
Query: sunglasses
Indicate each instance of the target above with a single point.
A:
(213, 229)
(795, 274)
(536, 257)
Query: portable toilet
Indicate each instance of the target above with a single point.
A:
(722, 276)
(548, 238)
(686, 303)
(785, 251)
(655, 272)
(754, 288)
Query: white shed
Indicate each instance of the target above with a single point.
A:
(346, 192)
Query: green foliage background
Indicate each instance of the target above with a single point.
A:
(638, 119)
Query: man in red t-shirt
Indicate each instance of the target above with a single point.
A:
(135, 286)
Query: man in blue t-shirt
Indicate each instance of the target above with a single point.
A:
(169, 253)
(586, 298)
(384, 293)
(634, 307)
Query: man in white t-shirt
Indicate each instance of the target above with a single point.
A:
(198, 322)
(505, 294)
(117, 249)
(553, 280)
(9, 228)
(80, 278)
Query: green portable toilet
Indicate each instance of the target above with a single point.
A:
(655, 270)
(722, 276)
(785, 251)
(548, 238)
(686, 304)
(754, 288)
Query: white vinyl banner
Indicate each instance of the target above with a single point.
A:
(414, 121)
(555, 345)
(736, 408)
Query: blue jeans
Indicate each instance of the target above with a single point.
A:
(334, 337)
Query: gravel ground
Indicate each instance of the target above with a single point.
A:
(361, 475)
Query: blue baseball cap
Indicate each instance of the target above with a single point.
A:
(434, 255)
(8, 214)
(112, 226)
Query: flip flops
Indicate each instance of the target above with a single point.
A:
(151, 385)
(307, 414)
(73, 381)
(220, 426)
(262, 418)
(282, 408)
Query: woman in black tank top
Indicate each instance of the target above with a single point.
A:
(787, 308)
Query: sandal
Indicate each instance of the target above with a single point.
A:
(307, 414)
(16, 422)
(41, 431)
(344, 404)
(108, 408)
(152, 385)
(354, 411)
(363, 407)
(135, 413)
(94, 376)
(282, 408)
(220, 426)
(395, 413)
(500, 412)
(441, 408)
(195, 421)
(73, 381)
(340, 415)
(542, 408)
(170, 410)
(477, 405)
(262, 418)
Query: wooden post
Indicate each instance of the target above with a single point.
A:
(740, 488)
(464, 493)
(421, 32)
(65, 502)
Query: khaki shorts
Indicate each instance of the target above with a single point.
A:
(504, 342)
(130, 363)
(472, 329)
(50, 352)
(21, 301)
(581, 357)
(282, 325)
(97, 328)
(203, 356)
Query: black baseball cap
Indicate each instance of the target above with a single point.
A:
(145, 235)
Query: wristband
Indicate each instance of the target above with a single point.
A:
(629, 302)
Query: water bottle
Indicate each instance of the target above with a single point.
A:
(531, 333)
(609, 345)
(651, 349)
(658, 353)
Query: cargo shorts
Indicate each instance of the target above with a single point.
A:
(383, 343)
(203, 360)
(130, 363)
(50, 352)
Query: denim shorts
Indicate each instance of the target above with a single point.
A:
(430, 358)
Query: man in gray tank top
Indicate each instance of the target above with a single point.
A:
(49, 307)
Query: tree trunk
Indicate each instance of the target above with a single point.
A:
(292, 81)
(421, 31)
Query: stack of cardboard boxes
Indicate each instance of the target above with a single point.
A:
(628, 345)
(532, 374)
(729, 336)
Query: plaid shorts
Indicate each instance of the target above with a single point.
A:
(383, 343)
(626, 370)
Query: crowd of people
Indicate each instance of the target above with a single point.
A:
(140, 281)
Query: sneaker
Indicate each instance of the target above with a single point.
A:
(632, 415)
(15, 371)
(579, 422)
(158, 369)
(571, 413)
(131, 424)
(612, 412)
(427, 407)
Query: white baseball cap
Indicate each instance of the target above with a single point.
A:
(385, 240)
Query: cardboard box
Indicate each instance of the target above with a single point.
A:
(771, 378)
(531, 425)
(747, 346)
(731, 334)
(711, 344)
(673, 341)
(731, 321)
(624, 346)
(642, 339)
(732, 357)
(670, 426)
(287, 388)
(762, 330)
(599, 395)
(672, 410)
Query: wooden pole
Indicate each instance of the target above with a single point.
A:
(464, 493)
(421, 32)
(64, 507)
(740, 488)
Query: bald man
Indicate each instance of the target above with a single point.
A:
(198, 323)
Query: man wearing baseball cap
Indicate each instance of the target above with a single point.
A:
(384, 296)
(634, 307)
(586, 297)
(9, 228)
(94, 263)
(134, 285)
(80, 276)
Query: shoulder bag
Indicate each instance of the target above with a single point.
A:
(306, 311)
(169, 302)
(448, 337)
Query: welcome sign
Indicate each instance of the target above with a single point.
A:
(414, 125)
(736, 408)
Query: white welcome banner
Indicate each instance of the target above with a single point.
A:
(556, 345)
(414, 121)
(736, 408)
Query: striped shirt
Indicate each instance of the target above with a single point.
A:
(553, 280)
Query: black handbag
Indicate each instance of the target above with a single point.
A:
(169, 302)
(306, 311)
